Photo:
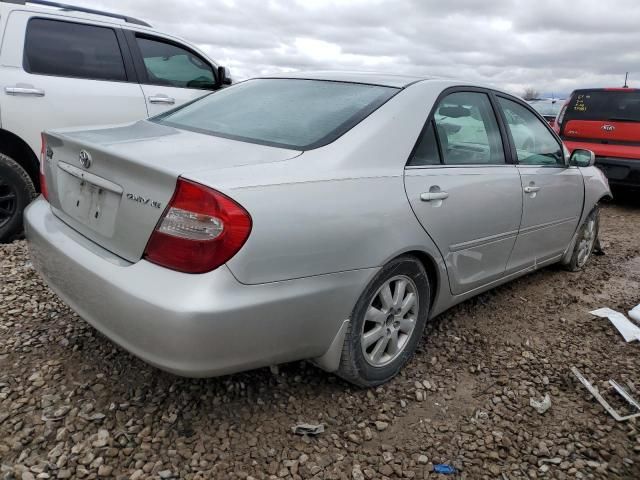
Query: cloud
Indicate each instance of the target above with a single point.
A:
(549, 45)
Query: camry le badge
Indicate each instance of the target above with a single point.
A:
(143, 200)
(608, 128)
(85, 158)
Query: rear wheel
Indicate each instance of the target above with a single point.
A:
(386, 323)
(586, 241)
(16, 191)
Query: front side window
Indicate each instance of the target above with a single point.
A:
(68, 49)
(289, 113)
(468, 131)
(169, 65)
(535, 145)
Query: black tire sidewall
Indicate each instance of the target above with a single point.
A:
(369, 374)
(11, 171)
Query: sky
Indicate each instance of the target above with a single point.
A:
(553, 46)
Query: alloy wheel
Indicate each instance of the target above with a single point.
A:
(587, 241)
(389, 321)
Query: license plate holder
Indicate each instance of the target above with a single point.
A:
(90, 201)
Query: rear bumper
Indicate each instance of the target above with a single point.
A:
(191, 325)
(620, 171)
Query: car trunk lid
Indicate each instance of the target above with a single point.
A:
(113, 184)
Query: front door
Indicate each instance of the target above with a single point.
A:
(552, 192)
(170, 74)
(465, 195)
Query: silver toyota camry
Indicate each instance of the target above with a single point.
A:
(324, 216)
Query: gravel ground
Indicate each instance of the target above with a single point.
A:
(73, 405)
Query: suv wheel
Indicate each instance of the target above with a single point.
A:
(16, 191)
(386, 323)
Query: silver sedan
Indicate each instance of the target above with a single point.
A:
(322, 216)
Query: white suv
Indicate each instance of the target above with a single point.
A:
(67, 66)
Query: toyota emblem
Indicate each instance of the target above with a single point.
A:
(85, 159)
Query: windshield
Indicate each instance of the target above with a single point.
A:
(548, 108)
(605, 105)
(289, 113)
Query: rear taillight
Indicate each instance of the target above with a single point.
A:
(43, 160)
(200, 230)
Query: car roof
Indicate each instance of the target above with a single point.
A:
(611, 89)
(371, 78)
(545, 100)
(78, 12)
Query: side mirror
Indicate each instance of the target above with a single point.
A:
(223, 76)
(582, 158)
(227, 76)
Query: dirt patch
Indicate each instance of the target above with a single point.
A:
(72, 405)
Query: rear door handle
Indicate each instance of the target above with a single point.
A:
(162, 99)
(531, 189)
(432, 196)
(25, 91)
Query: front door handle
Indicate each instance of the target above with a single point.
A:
(25, 91)
(432, 196)
(162, 99)
(531, 189)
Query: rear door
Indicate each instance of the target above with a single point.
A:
(170, 73)
(68, 74)
(552, 192)
(462, 190)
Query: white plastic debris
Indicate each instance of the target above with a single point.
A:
(635, 313)
(542, 406)
(627, 329)
(308, 429)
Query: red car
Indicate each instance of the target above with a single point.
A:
(607, 122)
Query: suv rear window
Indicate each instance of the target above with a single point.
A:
(68, 49)
(289, 113)
(609, 105)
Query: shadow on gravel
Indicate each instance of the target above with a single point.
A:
(626, 198)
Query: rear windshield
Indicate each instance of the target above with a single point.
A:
(289, 113)
(605, 105)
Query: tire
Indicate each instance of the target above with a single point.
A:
(358, 363)
(586, 241)
(16, 192)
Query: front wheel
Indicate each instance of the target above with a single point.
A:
(16, 191)
(386, 324)
(586, 241)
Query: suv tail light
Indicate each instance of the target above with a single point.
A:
(43, 160)
(200, 230)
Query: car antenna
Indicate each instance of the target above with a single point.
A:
(626, 77)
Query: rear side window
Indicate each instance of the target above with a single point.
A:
(468, 131)
(426, 151)
(289, 113)
(69, 49)
(172, 66)
(605, 105)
